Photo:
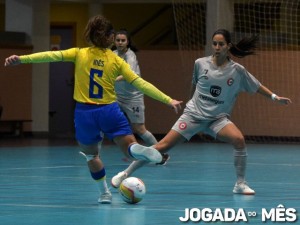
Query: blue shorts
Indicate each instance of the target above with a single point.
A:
(91, 120)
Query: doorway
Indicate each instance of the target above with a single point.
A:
(61, 84)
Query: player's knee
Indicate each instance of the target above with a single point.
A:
(88, 157)
(239, 142)
(90, 152)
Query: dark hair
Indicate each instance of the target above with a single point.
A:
(244, 47)
(127, 34)
(98, 30)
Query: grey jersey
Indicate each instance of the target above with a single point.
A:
(217, 88)
(124, 90)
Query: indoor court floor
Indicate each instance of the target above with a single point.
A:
(49, 184)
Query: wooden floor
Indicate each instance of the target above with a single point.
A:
(47, 183)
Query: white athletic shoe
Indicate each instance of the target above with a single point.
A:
(117, 179)
(149, 154)
(243, 188)
(105, 198)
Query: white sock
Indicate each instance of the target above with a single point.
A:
(240, 163)
(134, 166)
(102, 185)
(148, 138)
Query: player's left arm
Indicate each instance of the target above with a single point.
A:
(148, 88)
(153, 92)
(263, 90)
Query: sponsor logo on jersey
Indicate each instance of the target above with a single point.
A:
(207, 98)
(215, 90)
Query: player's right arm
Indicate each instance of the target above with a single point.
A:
(192, 91)
(42, 57)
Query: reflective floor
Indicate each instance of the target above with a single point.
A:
(49, 184)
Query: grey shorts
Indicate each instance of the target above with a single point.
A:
(134, 111)
(187, 126)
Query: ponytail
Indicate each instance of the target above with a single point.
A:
(244, 47)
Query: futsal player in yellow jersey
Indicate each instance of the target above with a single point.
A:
(96, 111)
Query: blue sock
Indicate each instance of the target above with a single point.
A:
(98, 175)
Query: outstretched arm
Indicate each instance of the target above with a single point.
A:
(269, 94)
(68, 55)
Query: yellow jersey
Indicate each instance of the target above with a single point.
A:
(96, 70)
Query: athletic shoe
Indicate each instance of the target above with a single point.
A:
(149, 154)
(243, 188)
(105, 198)
(165, 159)
(117, 179)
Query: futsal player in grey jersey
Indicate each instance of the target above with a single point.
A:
(216, 89)
(129, 98)
(217, 81)
(126, 92)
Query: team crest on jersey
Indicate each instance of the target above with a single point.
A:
(230, 81)
(182, 125)
(215, 90)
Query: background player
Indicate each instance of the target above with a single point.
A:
(130, 99)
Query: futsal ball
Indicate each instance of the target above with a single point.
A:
(132, 190)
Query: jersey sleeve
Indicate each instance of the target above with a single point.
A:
(50, 56)
(142, 85)
(195, 72)
(150, 90)
(133, 62)
(126, 71)
(249, 82)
